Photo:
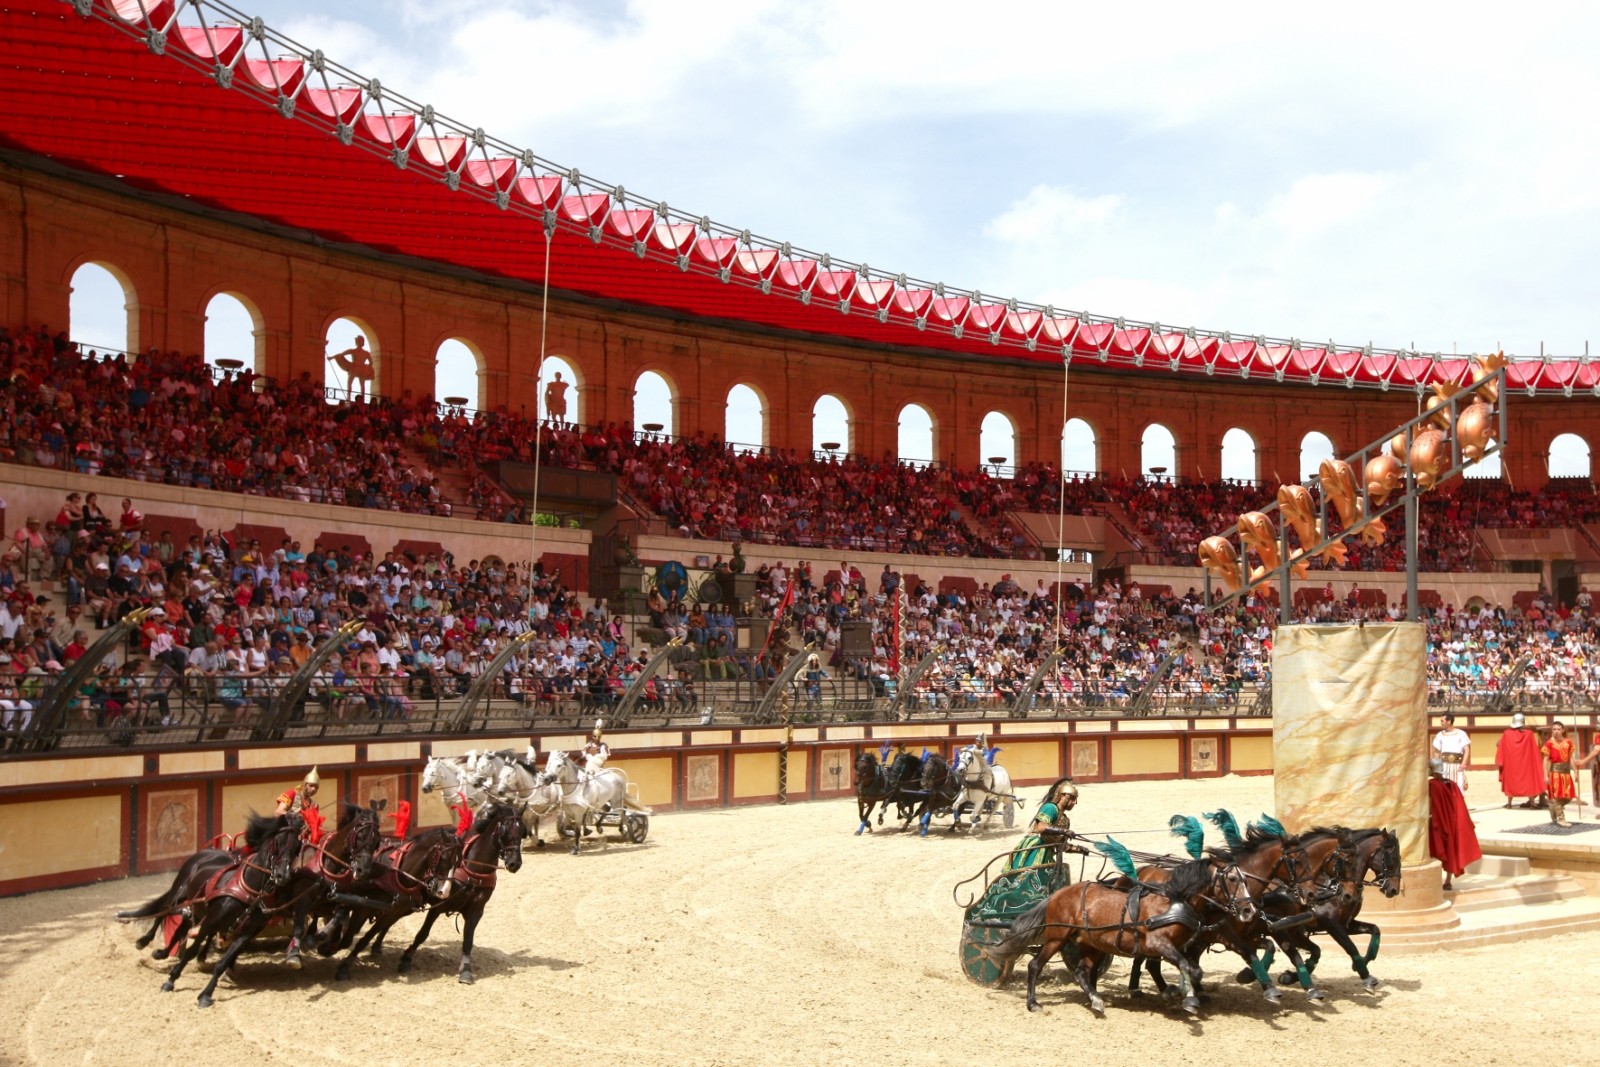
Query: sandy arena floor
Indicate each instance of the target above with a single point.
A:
(753, 936)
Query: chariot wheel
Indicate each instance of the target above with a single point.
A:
(635, 828)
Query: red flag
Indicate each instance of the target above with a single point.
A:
(894, 645)
(783, 606)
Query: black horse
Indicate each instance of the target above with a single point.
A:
(939, 791)
(877, 784)
(495, 838)
(231, 902)
(172, 909)
(409, 876)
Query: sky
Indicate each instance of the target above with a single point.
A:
(1364, 173)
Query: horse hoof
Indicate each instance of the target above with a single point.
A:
(293, 962)
(1034, 1007)
(204, 1001)
(1369, 983)
(1137, 994)
(159, 954)
(465, 978)
(1273, 994)
(538, 844)
(1316, 996)
(860, 828)
(1288, 978)
(1097, 1006)
(405, 967)
(1245, 977)
(167, 987)
(1191, 1005)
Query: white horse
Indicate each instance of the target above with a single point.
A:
(982, 782)
(452, 777)
(583, 795)
(521, 788)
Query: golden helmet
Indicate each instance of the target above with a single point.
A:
(312, 778)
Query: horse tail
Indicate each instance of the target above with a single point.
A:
(174, 897)
(1025, 930)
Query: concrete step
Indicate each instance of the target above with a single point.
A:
(1491, 926)
(1501, 867)
(1513, 892)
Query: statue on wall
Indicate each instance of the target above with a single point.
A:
(356, 362)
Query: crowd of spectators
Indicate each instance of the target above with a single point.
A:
(166, 418)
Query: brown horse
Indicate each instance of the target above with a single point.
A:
(495, 838)
(1089, 922)
(1275, 868)
(1376, 853)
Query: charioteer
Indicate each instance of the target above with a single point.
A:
(298, 800)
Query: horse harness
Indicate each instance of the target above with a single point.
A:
(397, 882)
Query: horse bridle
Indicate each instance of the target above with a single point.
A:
(1384, 871)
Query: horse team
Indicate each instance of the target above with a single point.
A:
(928, 785)
(345, 892)
(1266, 890)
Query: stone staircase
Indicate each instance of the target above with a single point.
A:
(1498, 899)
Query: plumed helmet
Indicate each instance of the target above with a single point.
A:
(312, 778)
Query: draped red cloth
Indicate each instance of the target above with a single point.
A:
(1452, 839)
(402, 819)
(1521, 767)
(313, 817)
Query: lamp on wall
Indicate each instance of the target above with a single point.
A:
(230, 364)
(1159, 472)
(652, 427)
(997, 462)
(456, 401)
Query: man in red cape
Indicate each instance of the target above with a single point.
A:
(1452, 839)
(1521, 765)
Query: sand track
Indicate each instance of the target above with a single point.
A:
(751, 936)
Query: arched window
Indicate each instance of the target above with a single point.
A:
(1570, 457)
(1314, 448)
(830, 425)
(997, 440)
(103, 310)
(235, 331)
(1158, 453)
(1488, 469)
(1080, 453)
(1238, 456)
(653, 404)
(916, 435)
(458, 375)
(560, 391)
(352, 367)
(745, 424)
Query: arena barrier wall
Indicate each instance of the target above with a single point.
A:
(68, 821)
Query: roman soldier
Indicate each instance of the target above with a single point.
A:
(595, 750)
(1521, 768)
(298, 801)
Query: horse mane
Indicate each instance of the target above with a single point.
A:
(260, 827)
(487, 816)
(348, 812)
(1188, 880)
(867, 756)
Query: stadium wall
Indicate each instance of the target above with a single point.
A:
(175, 259)
(71, 821)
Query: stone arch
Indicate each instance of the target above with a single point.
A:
(560, 385)
(1158, 452)
(1240, 458)
(92, 287)
(1569, 456)
(832, 422)
(235, 329)
(918, 439)
(1080, 447)
(997, 440)
(340, 335)
(1315, 447)
(458, 372)
(655, 401)
(745, 418)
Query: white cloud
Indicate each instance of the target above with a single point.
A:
(1049, 213)
(1319, 202)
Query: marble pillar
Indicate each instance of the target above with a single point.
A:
(1350, 729)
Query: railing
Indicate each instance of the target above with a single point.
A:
(168, 710)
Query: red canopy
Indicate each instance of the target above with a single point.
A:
(242, 119)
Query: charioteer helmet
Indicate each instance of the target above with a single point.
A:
(312, 778)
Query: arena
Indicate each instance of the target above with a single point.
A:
(749, 936)
(497, 456)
